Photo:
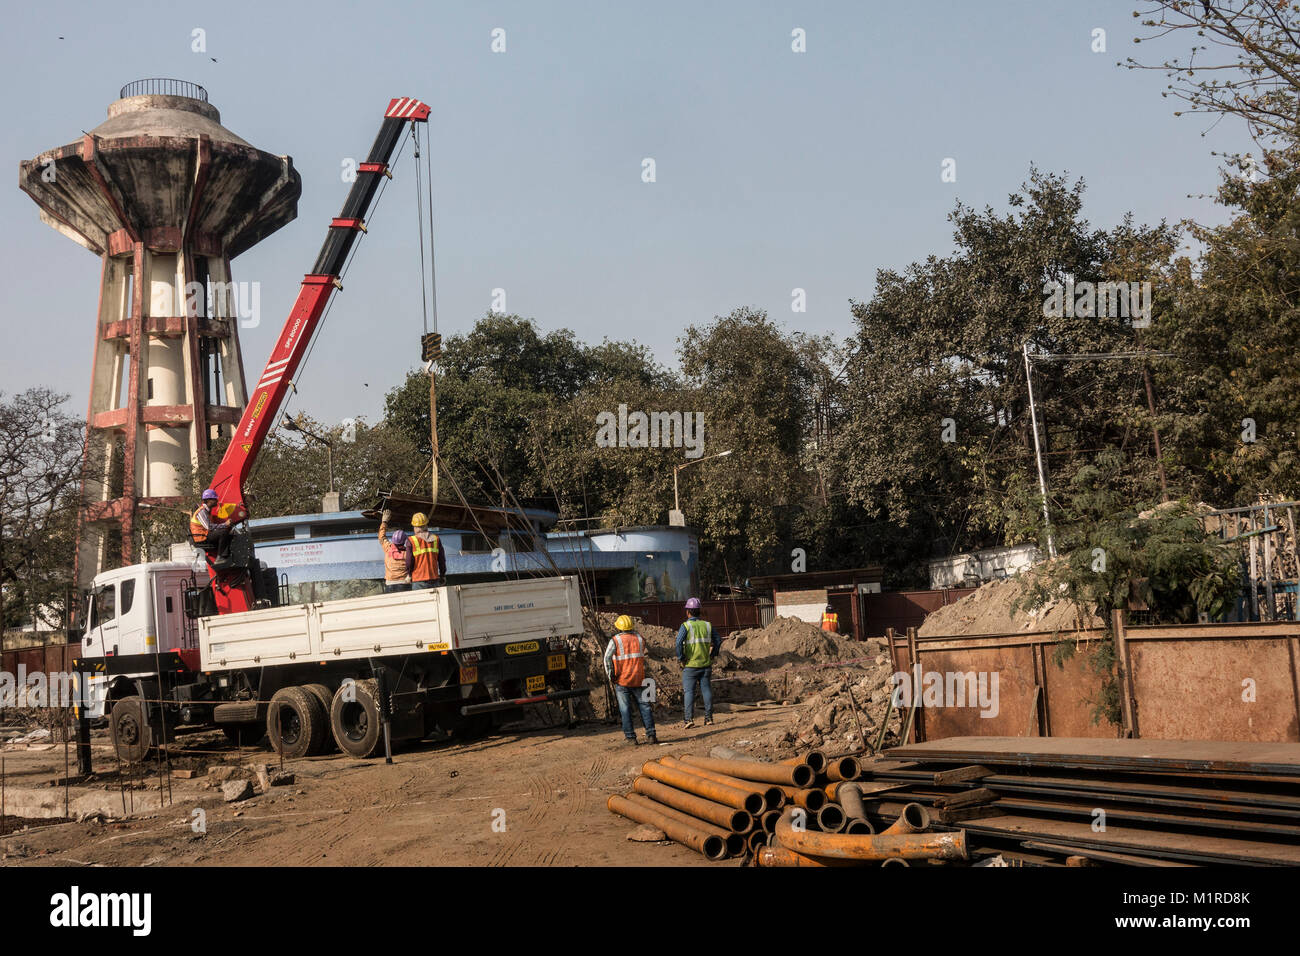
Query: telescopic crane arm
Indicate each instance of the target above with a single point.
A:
(317, 287)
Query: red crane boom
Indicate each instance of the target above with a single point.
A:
(232, 593)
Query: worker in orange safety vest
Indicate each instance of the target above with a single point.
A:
(830, 620)
(429, 565)
(625, 666)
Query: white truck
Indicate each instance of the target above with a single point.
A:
(455, 659)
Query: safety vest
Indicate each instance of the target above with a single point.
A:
(198, 529)
(831, 622)
(629, 659)
(425, 548)
(698, 643)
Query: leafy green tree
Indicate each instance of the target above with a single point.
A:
(938, 434)
(40, 452)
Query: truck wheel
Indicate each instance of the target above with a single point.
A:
(244, 735)
(133, 733)
(357, 727)
(326, 698)
(295, 722)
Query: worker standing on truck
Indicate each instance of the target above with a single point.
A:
(208, 532)
(830, 620)
(398, 556)
(697, 646)
(625, 666)
(430, 567)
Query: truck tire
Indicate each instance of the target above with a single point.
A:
(244, 735)
(295, 722)
(356, 725)
(326, 698)
(133, 732)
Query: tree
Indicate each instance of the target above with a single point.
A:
(938, 437)
(495, 383)
(40, 451)
(1253, 70)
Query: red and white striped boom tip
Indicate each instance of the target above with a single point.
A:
(404, 107)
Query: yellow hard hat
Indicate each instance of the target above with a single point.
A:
(419, 519)
(624, 623)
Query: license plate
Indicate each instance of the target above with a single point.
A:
(555, 662)
(536, 683)
(469, 675)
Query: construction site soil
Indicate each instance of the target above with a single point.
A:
(533, 794)
(991, 609)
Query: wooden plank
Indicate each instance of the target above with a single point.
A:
(946, 778)
(967, 798)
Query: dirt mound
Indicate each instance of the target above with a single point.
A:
(788, 640)
(990, 610)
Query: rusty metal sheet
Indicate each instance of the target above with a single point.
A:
(1228, 689)
(1175, 846)
(1156, 756)
(1072, 689)
(1015, 683)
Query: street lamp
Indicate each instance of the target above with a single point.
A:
(677, 518)
(293, 426)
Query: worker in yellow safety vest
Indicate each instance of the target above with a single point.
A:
(625, 666)
(830, 620)
(429, 560)
(697, 647)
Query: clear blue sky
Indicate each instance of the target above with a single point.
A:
(775, 170)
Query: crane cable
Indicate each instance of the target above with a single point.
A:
(423, 196)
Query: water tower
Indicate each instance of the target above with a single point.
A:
(166, 196)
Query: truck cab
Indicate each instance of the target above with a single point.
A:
(136, 612)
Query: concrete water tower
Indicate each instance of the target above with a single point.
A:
(166, 197)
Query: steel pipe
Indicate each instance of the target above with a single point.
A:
(773, 796)
(843, 768)
(787, 775)
(857, 827)
(711, 846)
(881, 846)
(769, 819)
(813, 758)
(777, 856)
(913, 819)
(758, 838)
(895, 861)
(736, 842)
(831, 819)
(711, 790)
(729, 818)
(850, 798)
(810, 800)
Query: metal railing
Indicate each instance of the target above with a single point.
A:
(161, 86)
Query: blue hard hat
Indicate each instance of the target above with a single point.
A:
(209, 495)
(399, 539)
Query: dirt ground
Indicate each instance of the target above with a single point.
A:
(526, 797)
(435, 805)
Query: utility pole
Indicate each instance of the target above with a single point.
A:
(1038, 455)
